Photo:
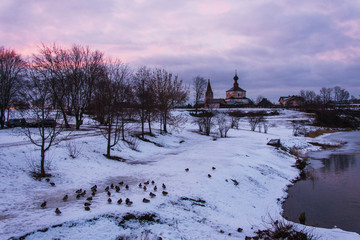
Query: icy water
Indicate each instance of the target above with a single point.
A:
(330, 196)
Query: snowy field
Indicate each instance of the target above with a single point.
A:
(235, 182)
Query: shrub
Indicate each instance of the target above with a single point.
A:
(342, 118)
(284, 230)
(73, 149)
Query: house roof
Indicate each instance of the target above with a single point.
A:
(237, 89)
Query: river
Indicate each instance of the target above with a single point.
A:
(330, 195)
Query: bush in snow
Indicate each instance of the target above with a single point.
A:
(133, 143)
(73, 149)
(254, 121)
(224, 124)
(204, 120)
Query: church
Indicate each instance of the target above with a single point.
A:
(235, 97)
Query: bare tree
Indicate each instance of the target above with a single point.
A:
(168, 92)
(308, 96)
(224, 124)
(51, 63)
(84, 68)
(255, 121)
(12, 69)
(143, 92)
(325, 95)
(204, 119)
(340, 94)
(46, 133)
(111, 101)
(199, 89)
(71, 75)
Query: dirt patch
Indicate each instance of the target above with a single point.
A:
(327, 146)
(319, 132)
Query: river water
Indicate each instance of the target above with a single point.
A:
(330, 196)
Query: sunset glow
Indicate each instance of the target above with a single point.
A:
(267, 41)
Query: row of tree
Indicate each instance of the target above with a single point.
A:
(325, 96)
(79, 80)
(58, 83)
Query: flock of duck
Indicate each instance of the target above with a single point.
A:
(81, 193)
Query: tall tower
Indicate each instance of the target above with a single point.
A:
(209, 93)
(236, 78)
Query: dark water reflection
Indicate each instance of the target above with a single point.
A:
(330, 196)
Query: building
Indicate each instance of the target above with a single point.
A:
(210, 101)
(291, 101)
(265, 103)
(235, 97)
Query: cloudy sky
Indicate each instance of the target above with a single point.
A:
(278, 47)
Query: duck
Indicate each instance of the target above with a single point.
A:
(119, 201)
(65, 198)
(79, 190)
(78, 196)
(164, 193)
(145, 188)
(87, 208)
(83, 193)
(147, 182)
(47, 179)
(89, 199)
(213, 168)
(152, 195)
(155, 188)
(152, 182)
(93, 194)
(87, 204)
(127, 187)
(107, 188)
(109, 193)
(127, 200)
(209, 175)
(94, 188)
(117, 188)
(52, 184)
(112, 186)
(186, 169)
(163, 186)
(43, 205)
(129, 203)
(57, 211)
(121, 183)
(145, 200)
(140, 185)
(109, 200)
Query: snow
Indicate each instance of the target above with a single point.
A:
(197, 206)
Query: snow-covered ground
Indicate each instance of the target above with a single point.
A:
(202, 203)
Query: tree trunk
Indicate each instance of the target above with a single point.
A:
(64, 117)
(142, 127)
(42, 165)
(149, 121)
(165, 116)
(108, 141)
(2, 118)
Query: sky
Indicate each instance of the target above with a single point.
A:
(277, 47)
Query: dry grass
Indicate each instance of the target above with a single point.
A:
(326, 146)
(295, 151)
(319, 132)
